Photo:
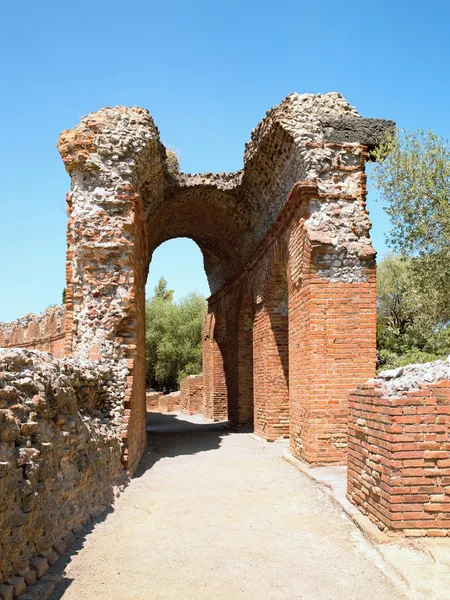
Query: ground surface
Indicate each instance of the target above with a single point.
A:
(218, 515)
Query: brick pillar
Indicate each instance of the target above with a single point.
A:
(244, 403)
(215, 387)
(332, 348)
(271, 361)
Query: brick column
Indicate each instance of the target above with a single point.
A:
(214, 381)
(332, 348)
(271, 361)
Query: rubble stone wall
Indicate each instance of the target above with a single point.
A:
(170, 402)
(60, 452)
(399, 449)
(152, 400)
(45, 332)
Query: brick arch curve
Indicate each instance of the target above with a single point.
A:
(125, 200)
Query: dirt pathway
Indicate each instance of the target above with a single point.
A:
(218, 515)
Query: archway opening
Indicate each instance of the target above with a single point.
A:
(175, 309)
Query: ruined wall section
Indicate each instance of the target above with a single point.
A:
(110, 156)
(124, 201)
(399, 449)
(291, 142)
(113, 157)
(45, 332)
(165, 403)
(191, 394)
(331, 311)
(227, 214)
(60, 453)
(332, 304)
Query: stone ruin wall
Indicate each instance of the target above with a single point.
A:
(290, 328)
(125, 201)
(60, 455)
(152, 401)
(162, 403)
(45, 332)
(399, 449)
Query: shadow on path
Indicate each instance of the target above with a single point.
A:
(170, 435)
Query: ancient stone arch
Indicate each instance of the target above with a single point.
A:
(300, 198)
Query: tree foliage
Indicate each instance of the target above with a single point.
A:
(407, 330)
(173, 337)
(413, 176)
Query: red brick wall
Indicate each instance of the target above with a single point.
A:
(45, 332)
(215, 406)
(271, 360)
(165, 403)
(332, 349)
(244, 403)
(152, 400)
(191, 394)
(399, 458)
(312, 340)
(170, 402)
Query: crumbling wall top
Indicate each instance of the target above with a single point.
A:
(302, 138)
(396, 382)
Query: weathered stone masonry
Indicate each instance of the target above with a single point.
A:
(291, 321)
(284, 347)
(60, 454)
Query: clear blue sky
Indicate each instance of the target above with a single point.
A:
(207, 71)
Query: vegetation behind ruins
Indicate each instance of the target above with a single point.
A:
(173, 337)
(413, 287)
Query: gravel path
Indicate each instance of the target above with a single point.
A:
(218, 515)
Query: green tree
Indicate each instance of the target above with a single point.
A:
(413, 177)
(161, 291)
(407, 331)
(173, 337)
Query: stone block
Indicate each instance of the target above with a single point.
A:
(40, 565)
(29, 575)
(51, 556)
(6, 592)
(60, 547)
(43, 589)
(18, 584)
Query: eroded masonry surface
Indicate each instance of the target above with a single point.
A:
(290, 329)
